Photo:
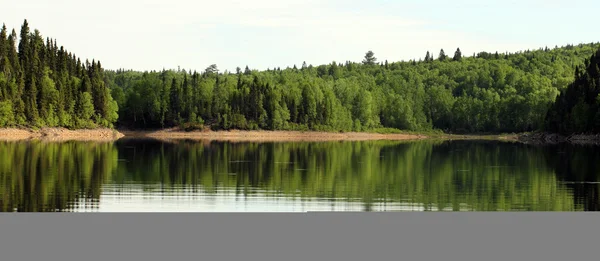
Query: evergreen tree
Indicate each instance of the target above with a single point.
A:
(369, 58)
(3, 47)
(211, 69)
(442, 56)
(577, 108)
(4, 64)
(24, 49)
(457, 55)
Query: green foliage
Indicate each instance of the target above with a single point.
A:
(442, 57)
(486, 93)
(7, 117)
(44, 84)
(577, 108)
(85, 108)
(457, 55)
(489, 92)
(369, 58)
(238, 121)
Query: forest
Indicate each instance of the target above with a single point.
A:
(577, 108)
(44, 85)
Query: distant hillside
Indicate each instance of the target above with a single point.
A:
(489, 92)
(44, 85)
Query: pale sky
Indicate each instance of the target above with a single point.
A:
(156, 34)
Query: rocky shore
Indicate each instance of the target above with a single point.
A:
(553, 138)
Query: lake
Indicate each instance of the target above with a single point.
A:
(144, 175)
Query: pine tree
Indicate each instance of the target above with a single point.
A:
(457, 55)
(369, 58)
(24, 46)
(3, 47)
(4, 64)
(174, 102)
(442, 56)
(211, 69)
(31, 110)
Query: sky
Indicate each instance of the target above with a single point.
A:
(187, 34)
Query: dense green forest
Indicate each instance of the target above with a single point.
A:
(43, 85)
(484, 93)
(577, 108)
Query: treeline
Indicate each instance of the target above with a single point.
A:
(486, 92)
(43, 85)
(577, 108)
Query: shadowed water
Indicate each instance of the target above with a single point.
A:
(151, 176)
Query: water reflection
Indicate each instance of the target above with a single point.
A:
(39, 176)
(150, 175)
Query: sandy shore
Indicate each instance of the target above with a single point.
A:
(262, 136)
(59, 134)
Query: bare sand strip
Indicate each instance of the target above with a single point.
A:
(62, 134)
(59, 134)
(267, 136)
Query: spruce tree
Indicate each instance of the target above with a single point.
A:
(457, 55)
(4, 64)
(369, 58)
(442, 56)
(3, 47)
(24, 46)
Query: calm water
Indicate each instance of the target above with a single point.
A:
(153, 176)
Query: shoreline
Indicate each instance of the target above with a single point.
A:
(268, 136)
(552, 138)
(105, 134)
(59, 134)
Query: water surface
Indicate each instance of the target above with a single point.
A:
(150, 176)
